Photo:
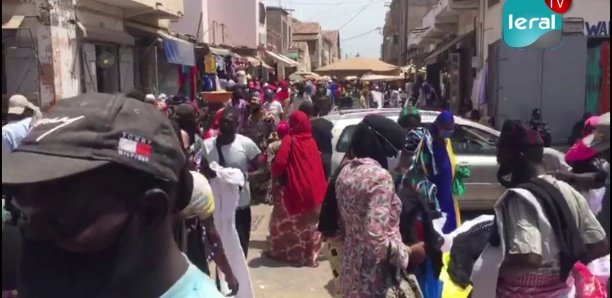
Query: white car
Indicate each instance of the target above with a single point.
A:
(474, 145)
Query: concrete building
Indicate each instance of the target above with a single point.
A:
(235, 23)
(331, 40)
(390, 48)
(300, 53)
(404, 16)
(279, 29)
(311, 34)
(53, 49)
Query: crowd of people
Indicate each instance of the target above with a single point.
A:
(134, 195)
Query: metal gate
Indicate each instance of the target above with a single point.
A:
(552, 80)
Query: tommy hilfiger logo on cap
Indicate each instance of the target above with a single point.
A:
(135, 147)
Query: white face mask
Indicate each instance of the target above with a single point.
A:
(393, 162)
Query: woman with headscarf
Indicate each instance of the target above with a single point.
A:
(295, 239)
(584, 159)
(369, 211)
(444, 168)
(419, 202)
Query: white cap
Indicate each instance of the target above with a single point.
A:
(162, 97)
(149, 98)
(18, 103)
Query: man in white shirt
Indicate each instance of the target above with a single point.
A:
(273, 106)
(234, 150)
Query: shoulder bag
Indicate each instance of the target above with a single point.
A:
(398, 283)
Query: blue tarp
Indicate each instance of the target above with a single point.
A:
(178, 51)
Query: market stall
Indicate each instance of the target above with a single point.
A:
(301, 76)
(359, 66)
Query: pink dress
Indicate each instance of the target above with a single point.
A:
(370, 213)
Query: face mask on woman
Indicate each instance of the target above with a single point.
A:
(446, 133)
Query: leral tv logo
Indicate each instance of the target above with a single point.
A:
(533, 23)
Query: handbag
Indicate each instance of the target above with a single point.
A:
(283, 180)
(398, 283)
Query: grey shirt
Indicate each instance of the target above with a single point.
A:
(237, 155)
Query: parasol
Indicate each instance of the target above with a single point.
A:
(359, 66)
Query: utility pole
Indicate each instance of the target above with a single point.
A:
(214, 32)
(222, 33)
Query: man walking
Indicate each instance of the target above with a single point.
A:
(233, 150)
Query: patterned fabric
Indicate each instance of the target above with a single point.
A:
(587, 285)
(333, 252)
(533, 286)
(293, 239)
(259, 131)
(420, 143)
(370, 212)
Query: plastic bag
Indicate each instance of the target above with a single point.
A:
(438, 224)
(600, 268)
(449, 288)
(431, 286)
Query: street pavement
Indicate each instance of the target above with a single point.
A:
(273, 279)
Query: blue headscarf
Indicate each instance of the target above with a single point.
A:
(445, 117)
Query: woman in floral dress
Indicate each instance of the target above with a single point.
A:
(370, 210)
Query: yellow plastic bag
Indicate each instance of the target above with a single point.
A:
(449, 288)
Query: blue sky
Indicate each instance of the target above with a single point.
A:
(366, 15)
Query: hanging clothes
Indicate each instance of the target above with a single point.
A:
(221, 69)
(604, 95)
(208, 83)
(187, 80)
(475, 96)
(482, 86)
(593, 80)
(210, 64)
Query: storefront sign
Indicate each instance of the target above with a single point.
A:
(601, 28)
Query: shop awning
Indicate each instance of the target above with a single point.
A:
(282, 59)
(97, 33)
(220, 51)
(14, 23)
(258, 62)
(178, 51)
(432, 57)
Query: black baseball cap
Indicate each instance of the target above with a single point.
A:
(92, 130)
(185, 112)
